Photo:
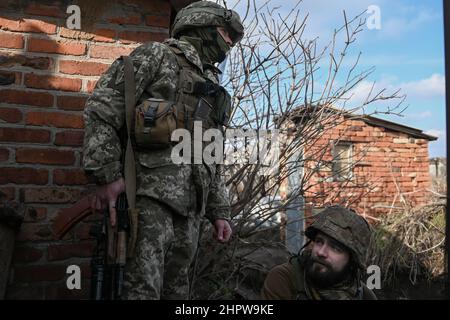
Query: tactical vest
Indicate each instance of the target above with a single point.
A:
(197, 99)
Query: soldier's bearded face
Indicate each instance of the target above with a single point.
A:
(329, 262)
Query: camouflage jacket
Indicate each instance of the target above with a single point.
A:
(186, 188)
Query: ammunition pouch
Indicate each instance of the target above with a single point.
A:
(155, 120)
(197, 99)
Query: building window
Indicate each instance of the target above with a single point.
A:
(342, 161)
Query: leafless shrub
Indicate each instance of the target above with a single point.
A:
(281, 80)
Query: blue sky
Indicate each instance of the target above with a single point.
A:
(407, 53)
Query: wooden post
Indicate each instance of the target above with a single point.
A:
(10, 223)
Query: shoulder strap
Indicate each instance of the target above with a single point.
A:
(181, 59)
(185, 83)
(130, 165)
(299, 280)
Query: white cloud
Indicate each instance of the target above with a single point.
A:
(431, 87)
(437, 148)
(366, 90)
(408, 21)
(436, 133)
(419, 115)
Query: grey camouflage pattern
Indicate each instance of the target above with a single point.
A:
(165, 248)
(172, 198)
(156, 76)
(207, 13)
(347, 227)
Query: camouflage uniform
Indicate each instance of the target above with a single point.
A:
(172, 198)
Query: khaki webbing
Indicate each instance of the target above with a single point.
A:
(130, 164)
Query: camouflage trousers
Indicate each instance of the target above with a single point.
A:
(165, 248)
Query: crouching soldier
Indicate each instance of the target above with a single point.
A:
(332, 267)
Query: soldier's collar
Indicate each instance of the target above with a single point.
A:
(212, 67)
(188, 50)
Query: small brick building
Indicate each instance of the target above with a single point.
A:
(370, 164)
(46, 74)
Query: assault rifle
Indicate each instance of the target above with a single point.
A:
(108, 263)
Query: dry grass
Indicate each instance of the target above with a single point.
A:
(410, 241)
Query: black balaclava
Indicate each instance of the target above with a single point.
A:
(209, 44)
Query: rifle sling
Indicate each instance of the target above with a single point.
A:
(129, 163)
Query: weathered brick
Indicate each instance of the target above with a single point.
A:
(100, 35)
(9, 193)
(71, 103)
(33, 214)
(34, 232)
(66, 251)
(12, 59)
(27, 254)
(69, 138)
(10, 115)
(23, 176)
(11, 41)
(45, 156)
(352, 128)
(50, 195)
(56, 291)
(91, 86)
(82, 67)
(152, 7)
(25, 291)
(55, 119)
(7, 78)
(82, 231)
(52, 82)
(38, 99)
(423, 178)
(141, 36)
(401, 140)
(359, 139)
(45, 10)
(131, 18)
(53, 46)
(27, 25)
(69, 177)
(10, 77)
(108, 52)
(4, 154)
(157, 21)
(24, 135)
(362, 134)
(39, 273)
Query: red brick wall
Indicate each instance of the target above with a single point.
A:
(47, 73)
(388, 165)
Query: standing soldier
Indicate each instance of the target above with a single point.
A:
(332, 268)
(171, 198)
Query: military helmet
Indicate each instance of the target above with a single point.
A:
(345, 226)
(206, 13)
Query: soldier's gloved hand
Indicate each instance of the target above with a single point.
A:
(106, 196)
(222, 230)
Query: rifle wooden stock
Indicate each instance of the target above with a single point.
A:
(71, 216)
